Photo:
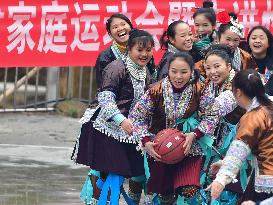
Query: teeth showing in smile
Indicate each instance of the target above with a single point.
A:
(122, 34)
(257, 46)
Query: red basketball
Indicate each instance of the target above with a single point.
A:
(169, 146)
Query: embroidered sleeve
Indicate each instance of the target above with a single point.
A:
(225, 102)
(209, 116)
(141, 115)
(108, 104)
(236, 155)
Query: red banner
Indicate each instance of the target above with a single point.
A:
(72, 32)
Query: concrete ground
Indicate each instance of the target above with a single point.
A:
(35, 165)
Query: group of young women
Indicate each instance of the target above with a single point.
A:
(215, 92)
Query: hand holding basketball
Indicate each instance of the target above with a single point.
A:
(189, 139)
(149, 146)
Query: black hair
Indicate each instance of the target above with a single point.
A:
(120, 16)
(207, 4)
(223, 47)
(226, 26)
(269, 37)
(141, 37)
(207, 11)
(250, 83)
(189, 60)
(221, 53)
(169, 33)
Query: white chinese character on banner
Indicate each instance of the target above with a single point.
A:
(175, 11)
(150, 9)
(248, 13)
(156, 32)
(52, 23)
(2, 13)
(115, 9)
(267, 17)
(90, 32)
(184, 10)
(19, 30)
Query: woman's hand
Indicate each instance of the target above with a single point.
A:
(127, 125)
(189, 139)
(149, 146)
(216, 189)
(214, 168)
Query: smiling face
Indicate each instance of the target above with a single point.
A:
(183, 38)
(179, 72)
(258, 43)
(230, 39)
(119, 30)
(141, 55)
(202, 25)
(217, 70)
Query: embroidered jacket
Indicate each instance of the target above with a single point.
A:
(119, 91)
(157, 110)
(254, 135)
(228, 110)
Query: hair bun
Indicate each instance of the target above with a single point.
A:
(207, 4)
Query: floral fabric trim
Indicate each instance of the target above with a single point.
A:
(139, 87)
(172, 49)
(173, 113)
(141, 116)
(208, 113)
(107, 101)
(103, 122)
(111, 129)
(263, 183)
(114, 47)
(236, 155)
(135, 70)
(226, 102)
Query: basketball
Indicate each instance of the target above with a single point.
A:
(169, 146)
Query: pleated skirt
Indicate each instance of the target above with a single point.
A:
(107, 155)
(166, 179)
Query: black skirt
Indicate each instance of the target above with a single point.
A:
(107, 155)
